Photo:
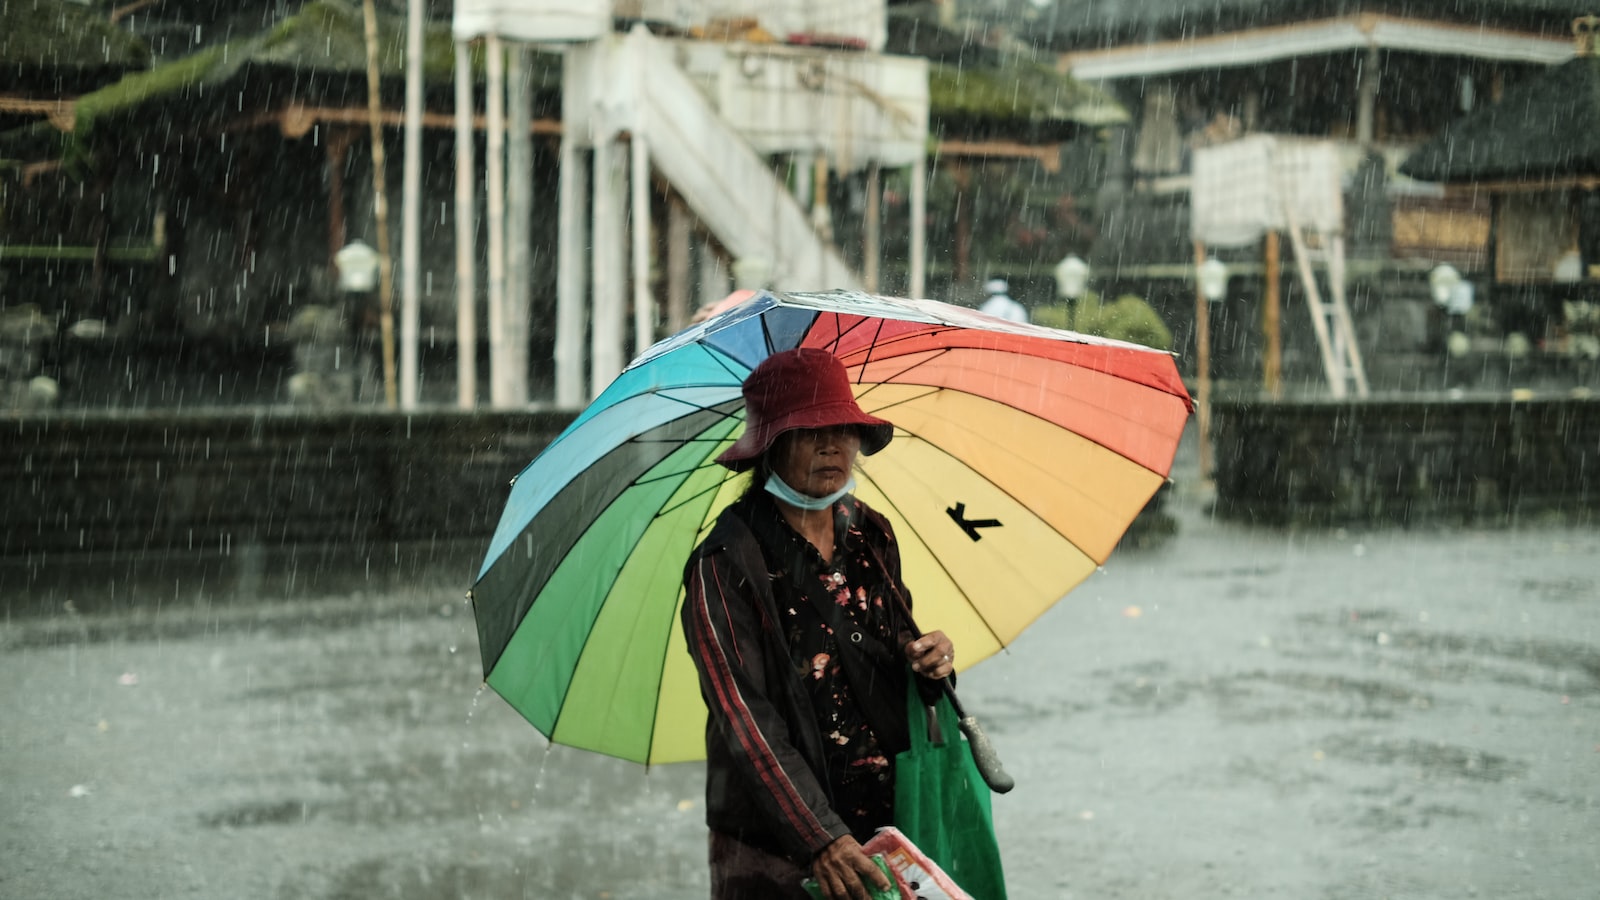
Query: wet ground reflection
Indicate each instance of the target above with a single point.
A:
(1232, 713)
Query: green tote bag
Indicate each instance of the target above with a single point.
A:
(942, 804)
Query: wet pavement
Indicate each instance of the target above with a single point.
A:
(1233, 712)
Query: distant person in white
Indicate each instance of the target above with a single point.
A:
(1000, 303)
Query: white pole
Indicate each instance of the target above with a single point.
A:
(572, 275)
(466, 256)
(872, 231)
(919, 226)
(519, 232)
(644, 309)
(495, 174)
(610, 195)
(713, 275)
(411, 210)
(678, 244)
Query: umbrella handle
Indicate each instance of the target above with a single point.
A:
(983, 753)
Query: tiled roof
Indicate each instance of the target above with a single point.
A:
(1547, 126)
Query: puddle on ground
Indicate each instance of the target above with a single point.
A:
(1263, 696)
(1429, 759)
(1567, 667)
(1560, 590)
(254, 815)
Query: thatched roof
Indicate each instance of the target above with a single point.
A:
(62, 43)
(52, 34)
(1546, 126)
(317, 56)
(978, 90)
(1021, 99)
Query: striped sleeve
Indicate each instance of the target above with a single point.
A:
(724, 630)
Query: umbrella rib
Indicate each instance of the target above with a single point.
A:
(721, 360)
(938, 352)
(672, 398)
(915, 530)
(942, 351)
(661, 673)
(927, 338)
(940, 563)
(931, 390)
(839, 333)
(692, 497)
(1014, 497)
(680, 473)
(677, 442)
(872, 346)
(561, 706)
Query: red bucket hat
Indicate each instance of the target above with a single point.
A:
(803, 388)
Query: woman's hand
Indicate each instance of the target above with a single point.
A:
(843, 871)
(932, 655)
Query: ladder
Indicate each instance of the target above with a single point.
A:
(1336, 333)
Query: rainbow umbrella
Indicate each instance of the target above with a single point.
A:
(1021, 454)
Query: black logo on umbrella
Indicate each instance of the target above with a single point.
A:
(957, 514)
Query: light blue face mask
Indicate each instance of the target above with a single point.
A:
(779, 488)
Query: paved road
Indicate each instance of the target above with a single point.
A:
(1235, 713)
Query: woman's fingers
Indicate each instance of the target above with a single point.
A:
(843, 871)
(932, 655)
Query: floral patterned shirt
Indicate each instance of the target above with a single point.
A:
(864, 783)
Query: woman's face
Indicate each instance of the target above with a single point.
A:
(816, 461)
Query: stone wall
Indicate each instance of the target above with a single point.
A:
(148, 508)
(1501, 459)
(80, 484)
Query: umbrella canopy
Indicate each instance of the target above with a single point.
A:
(1021, 455)
(1545, 126)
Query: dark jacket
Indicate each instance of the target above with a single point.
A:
(765, 780)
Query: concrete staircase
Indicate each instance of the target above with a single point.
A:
(636, 87)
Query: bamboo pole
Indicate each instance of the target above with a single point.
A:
(517, 305)
(1202, 361)
(572, 276)
(678, 239)
(713, 274)
(608, 322)
(380, 206)
(1272, 318)
(1367, 99)
(919, 226)
(466, 255)
(644, 307)
(495, 182)
(872, 233)
(1350, 355)
(821, 215)
(962, 176)
(411, 211)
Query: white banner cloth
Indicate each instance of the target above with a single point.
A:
(1245, 188)
(532, 20)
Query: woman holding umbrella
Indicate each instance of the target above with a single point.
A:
(799, 625)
